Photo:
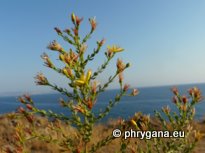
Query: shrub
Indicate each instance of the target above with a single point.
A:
(81, 97)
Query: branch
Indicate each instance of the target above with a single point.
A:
(110, 106)
(100, 69)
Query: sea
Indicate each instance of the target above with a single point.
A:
(148, 100)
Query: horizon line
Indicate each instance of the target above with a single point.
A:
(12, 94)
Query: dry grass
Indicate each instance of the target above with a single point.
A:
(100, 131)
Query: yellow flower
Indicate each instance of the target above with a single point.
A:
(67, 72)
(62, 57)
(133, 122)
(114, 49)
(84, 79)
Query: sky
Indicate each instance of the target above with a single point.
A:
(163, 40)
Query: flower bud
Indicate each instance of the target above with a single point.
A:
(175, 99)
(127, 65)
(47, 60)
(79, 109)
(184, 99)
(94, 87)
(120, 65)
(101, 42)
(135, 92)
(58, 31)
(175, 91)
(73, 18)
(30, 107)
(183, 107)
(62, 57)
(21, 110)
(196, 94)
(90, 104)
(126, 87)
(41, 79)
(67, 72)
(22, 100)
(83, 48)
(55, 46)
(93, 24)
(78, 20)
(67, 31)
(166, 110)
(27, 97)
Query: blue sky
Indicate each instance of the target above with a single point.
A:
(163, 40)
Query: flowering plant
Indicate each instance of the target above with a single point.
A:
(82, 82)
(81, 96)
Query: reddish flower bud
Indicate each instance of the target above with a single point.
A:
(21, 110)
(67, 31)
(30, 107)
(175, 99)
(22, 100)
(102, 42)
(184, 99)
(126, 87)
(175, 91)
(78, 20)
(90, 104)
(58, 31)
(27, 97)
(196, 94)
(93, 24)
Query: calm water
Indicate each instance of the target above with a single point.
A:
(149, 99)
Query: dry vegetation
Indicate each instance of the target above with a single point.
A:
(8, 138)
